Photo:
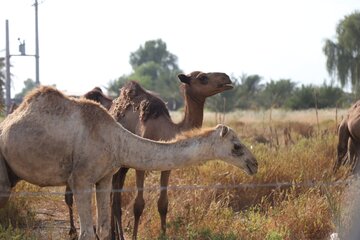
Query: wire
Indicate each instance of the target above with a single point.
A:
(195, 187)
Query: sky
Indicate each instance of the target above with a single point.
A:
(87, 43)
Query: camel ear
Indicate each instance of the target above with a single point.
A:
(223, 130)
(184, 78)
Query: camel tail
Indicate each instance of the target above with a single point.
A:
(342, 148)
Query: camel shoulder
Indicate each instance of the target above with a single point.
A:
(133, 95)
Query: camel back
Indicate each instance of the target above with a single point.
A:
(133, 95)
(52, 102)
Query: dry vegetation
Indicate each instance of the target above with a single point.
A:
(218, 201)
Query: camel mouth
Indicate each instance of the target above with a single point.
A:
(251, 168)
(226, 86)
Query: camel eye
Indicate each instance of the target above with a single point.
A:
(237, 146)
(203, 80)
(237, 150)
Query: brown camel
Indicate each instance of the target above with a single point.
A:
(146, 115)
(54, 140)
(349, 139)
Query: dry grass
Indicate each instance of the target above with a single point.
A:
(226, 210)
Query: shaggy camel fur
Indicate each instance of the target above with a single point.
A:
(146, 115)
(54, 140)
(349, 139)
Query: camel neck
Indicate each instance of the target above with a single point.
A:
(142, 154)
(194, 111)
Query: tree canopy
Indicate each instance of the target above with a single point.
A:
(343, 54)
(156, 69)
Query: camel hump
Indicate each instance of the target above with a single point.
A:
(97, 95)
(146, 103)
(43, 91)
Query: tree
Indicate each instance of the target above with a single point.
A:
(248, 91)
(343, 55)
(302, 98)
(154, 51)
(156, 69)
(276, 93)
(29, 84)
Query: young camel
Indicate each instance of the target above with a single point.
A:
(54, 140)
(348, 148)
(146, 115)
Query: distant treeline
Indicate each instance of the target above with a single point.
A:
(250, 93)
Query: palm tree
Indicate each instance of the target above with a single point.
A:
(343, 56)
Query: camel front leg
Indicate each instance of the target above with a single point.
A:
(139, 204)
(82, 193)
(163, 201)
(103, 190)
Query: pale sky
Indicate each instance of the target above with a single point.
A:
(87, 43)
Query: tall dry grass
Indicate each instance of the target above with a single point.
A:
(209, 201)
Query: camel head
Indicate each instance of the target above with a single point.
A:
(205, 84)
(229, 148)
(97, 95)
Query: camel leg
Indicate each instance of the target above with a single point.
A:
(103, 189)
(342, 148)
(163, 199)
(82, 195)
(139, 204)
(5, 185)
(69, 202)
(116, 222)
(352, 153)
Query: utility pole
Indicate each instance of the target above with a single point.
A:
(7, 64)
(22, 53)
(37, 80)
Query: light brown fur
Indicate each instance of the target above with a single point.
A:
(84, 146)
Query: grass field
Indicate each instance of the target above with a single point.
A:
(210, 201)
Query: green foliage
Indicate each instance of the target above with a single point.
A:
(325, 96)
(156, 69)
(343, 55)
(248, 91)
(244, 95)
(273, 235)
(15, 234)
(154, 51)
(276, 93)
(302, 98)
(29, 84)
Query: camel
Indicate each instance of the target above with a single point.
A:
(97, 95)
(147, 115)
(54, 140)
(348, 148)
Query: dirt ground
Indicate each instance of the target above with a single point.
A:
(52, 218)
